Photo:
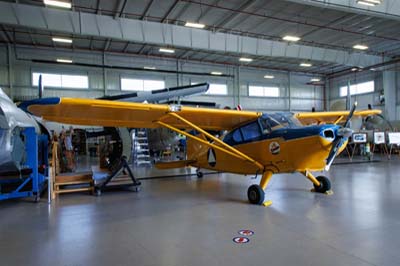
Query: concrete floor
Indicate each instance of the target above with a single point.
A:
(186, 221)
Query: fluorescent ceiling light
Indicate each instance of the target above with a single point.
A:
(245, 59)
(360, 47)
(290, 38)
(369, 2)
(61, 60)
(354, 69)
(194, 25)
(305, 65)
(57, 3)
(216, 73)
(315, 80)
(63, 40)
(269, 77)
(166, 50)
(149, 67)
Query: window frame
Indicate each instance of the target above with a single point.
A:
(143, 84)
(355, 87)
(35, 81)
(265, 89)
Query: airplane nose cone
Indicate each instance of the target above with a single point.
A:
(328, 132)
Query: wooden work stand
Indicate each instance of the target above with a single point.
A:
(67, 183)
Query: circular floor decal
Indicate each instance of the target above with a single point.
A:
(246, 233)
(241, 240)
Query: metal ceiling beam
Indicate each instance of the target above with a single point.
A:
(120, 8)
(389, 9)
(146, 9)
(231, 17)
(138, 31)
(170, 11)
(208, 9)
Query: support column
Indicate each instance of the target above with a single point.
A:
(236, 87)
(104, 75)
(10, 72)
(289, 93)
(389, 88)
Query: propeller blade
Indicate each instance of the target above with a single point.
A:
(343, 132)
(353, 109)
(332, 154)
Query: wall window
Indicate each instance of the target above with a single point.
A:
(261, 91)
(359, 88)
(218, 89)
(141, 84)
(61, 80)
(215, 89)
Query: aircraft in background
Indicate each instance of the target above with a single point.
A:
(253, 142)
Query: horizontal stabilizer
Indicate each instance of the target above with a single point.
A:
(174, 164)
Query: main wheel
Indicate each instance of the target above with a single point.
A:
(255, 194)
(325, 184)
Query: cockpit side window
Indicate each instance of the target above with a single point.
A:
(237, 136)
(251, 131)
(269, 124)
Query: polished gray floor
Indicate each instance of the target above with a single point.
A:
(187, 221)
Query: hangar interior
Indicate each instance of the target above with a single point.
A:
(267, 56)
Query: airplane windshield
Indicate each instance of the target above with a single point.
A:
(271, 122)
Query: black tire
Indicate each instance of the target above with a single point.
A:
(199, 174)
(325, 184)
(255, 194)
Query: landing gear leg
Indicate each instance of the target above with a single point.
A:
(256, 193)
(321, 183)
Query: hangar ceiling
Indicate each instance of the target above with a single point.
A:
(234, 29)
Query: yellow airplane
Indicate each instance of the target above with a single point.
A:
(250, 142)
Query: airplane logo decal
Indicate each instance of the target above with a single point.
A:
(274, 148)
(212, 161)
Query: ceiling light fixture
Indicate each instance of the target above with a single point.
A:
(166, 50)
(149, 68)
(354, 69)
(290, 38)
(245, 59)
(269, 77)
(57, 3)
(61, 60)
(216, 73)
(305, 65)
(194, 25)
(315, 80)
(369, 2)
(62, 40)
(360, 47)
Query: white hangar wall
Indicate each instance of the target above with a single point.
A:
(18, 63)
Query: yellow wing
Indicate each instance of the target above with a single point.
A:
(331, 117)
(134, 115)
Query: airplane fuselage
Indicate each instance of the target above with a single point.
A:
(284, 150)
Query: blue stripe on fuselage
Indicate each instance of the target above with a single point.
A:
(289, 133)
(301, 132)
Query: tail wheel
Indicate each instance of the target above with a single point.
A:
(325, 184)
(255, 194)
(199, 174)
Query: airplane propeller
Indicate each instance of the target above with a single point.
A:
(342, 133)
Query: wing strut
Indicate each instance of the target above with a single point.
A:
(226, 148)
